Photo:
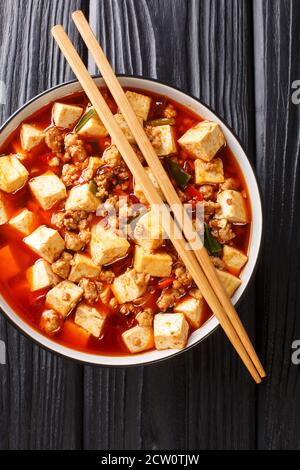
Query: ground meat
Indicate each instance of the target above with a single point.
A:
(113, 303)
(70, 174)
(182, 280)
(74, 147)
(230, 183)
(210, 208)
(207, 191)
(107, 277)
(170, 111)
(128, 308)
(153, 134)
(108, 179)
(182, 196)
(141, 279)
(103, 180)
(222, 230)
(62, 266)
(75, 220)
(92, 290)
(51, 322)
(196, 294)
(54, 138)
(112, 157)
(105, 295)
(145, 318)
(167, 299)
(77, 241)
(217, 262)
(57, 219)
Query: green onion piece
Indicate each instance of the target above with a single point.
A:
(161, 122)
(180, 176)
(93, 187)
(211, 244)
(85, 119)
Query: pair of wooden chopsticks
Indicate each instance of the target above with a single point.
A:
(197, 262)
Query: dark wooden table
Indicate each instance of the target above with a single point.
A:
(240, 57)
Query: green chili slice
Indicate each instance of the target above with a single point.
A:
(85, 118)
(211, 244)
(180, 176)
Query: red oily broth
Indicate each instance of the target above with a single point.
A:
(16, 257)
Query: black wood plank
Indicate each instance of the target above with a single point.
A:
(203, 399)
(40, 394)
(277, 64)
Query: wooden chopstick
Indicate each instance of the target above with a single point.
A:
(162, 178)
(150, 192)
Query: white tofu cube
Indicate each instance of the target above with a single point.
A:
(40, 276)
(138, 339)
(231, 283)
(170, 331)
(193, 310)
(125, 128)
(148, 231)
(155, 264)
(31, 137)
(48, 189)
(168, 142)
(93, 127)
(83, 266)
(234, 259)
(139, 192)
(129, 286)
(64, 297)
(106, 250)
(203, 141)
(66, 115)
(25, 222)
(209, 172)
(46, 242)
(90, 319)
(13, 175)
(232, 207)
(93, 164)
(81, 197)
(140, 103)
(3, 212)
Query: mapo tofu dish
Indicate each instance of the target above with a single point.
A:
(65, 265)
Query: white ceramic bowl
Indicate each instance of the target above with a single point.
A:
(256, 232)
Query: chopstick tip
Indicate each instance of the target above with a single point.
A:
(77, 14)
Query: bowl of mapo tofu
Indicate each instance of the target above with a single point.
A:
(85, 267)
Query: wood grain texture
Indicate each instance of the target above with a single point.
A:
(277, 65)
(196, 400)
(41, 401)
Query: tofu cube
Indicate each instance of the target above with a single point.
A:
(140, 103)
(81, 197)
(231, 283)
(90, 319)
(13, 175)
(168, 142)
(232, 206)
(139, 192)
(48, 189)
(66, 115)
(203, 141)
(93, 127)
(107, 249)
(25, 222)
(64, 297)
(170, 331)
(138, 339)
(128, 286)
(155, 264)
(148, 231)
(234, 259)
(3, 212)
(31, 137)
(193, 310)
(83, 266)
(40, 276)
(125, 128)
(209, 172)
(46, 242)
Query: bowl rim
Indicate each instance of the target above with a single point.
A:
(176, 353)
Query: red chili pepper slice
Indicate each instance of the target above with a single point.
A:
(193, 193)
(165, 282)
